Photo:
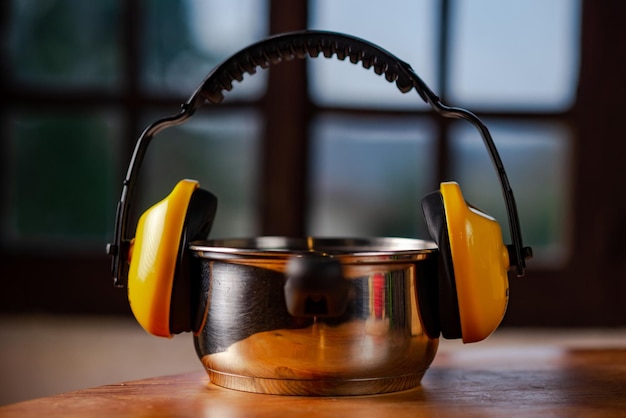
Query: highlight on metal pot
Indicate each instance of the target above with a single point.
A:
(311, 315)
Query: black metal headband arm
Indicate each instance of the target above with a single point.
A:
(287, 47)
(120, 246)
(517, 252)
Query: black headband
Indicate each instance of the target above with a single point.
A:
(299, 45)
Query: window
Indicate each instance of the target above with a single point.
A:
(81, 80)
(61, 166)
(183, 40)
(83, 95)
(516, 63)
(519, 57)
(410, 35)
(221, 151)
(64, 45)
(59, 158)
(368, 175)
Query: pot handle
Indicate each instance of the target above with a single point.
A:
(315, 287)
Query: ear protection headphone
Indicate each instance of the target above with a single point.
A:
(472, 288)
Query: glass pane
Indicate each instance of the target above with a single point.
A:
(61, 172)
(369, 175)
(64, 44)
(184, 40)
(221, 151)
(537, 157)
(516, 54)
(405, 28)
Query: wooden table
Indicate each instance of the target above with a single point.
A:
(516, 377)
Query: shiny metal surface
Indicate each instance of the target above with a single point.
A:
(249, 341)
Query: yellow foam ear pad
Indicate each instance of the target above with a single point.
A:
(481, 262)
(154, 256)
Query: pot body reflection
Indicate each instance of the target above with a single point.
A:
(248, 340)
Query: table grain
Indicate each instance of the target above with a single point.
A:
(504, 380)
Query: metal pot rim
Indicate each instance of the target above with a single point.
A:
(377, 249)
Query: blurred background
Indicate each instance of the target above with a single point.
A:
(317, 147)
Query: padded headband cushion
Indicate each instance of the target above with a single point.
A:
(286, 47)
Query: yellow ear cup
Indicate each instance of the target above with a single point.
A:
(154, 257)
(481, 262)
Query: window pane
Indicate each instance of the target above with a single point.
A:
(184, 40)
(64, 44)
(221, 151)
(515, 54)
(537, 157)
(369, 175)
(61, 173)
(405, 28)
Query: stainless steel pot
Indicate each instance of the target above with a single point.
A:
(315, 316)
